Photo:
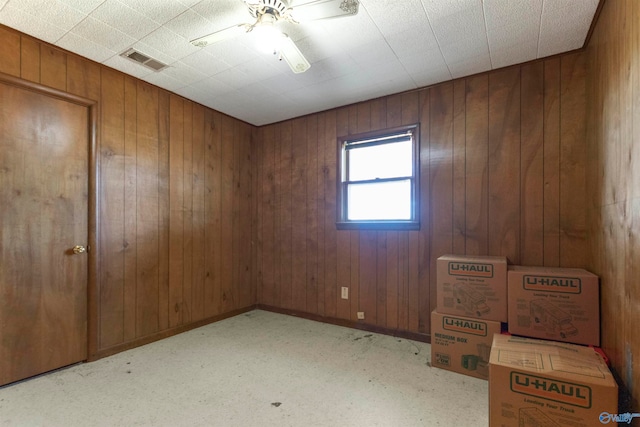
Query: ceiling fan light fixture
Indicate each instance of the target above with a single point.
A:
(268, 37)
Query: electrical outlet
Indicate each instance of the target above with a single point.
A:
(345, 292)
(361, 315)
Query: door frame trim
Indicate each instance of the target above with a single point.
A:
(92, 202)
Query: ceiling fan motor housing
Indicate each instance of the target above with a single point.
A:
(276, 8)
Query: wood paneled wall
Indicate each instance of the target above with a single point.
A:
(614, 181)
(175, 202)
(502, 171)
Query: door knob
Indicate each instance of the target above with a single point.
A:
(79, 249)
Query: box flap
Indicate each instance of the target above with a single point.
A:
(541, 357)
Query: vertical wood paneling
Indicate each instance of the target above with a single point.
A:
(311, 181)
(612, 165)
(227, 293)
(83, 77)
(268, 285)
(531, 165)
(285, 215)
(489, 164)
(10, 53)
(343, 237)
(320, 214)
(112, 166)
(328, 145)
(573, 225)
(477, 161)
(279, 175)
(426, 293)
(30, 60)
(160, 196)
(165, 285)
(299, 214)
(551, 171)
(187, 208)
(459, 167)
(441, 174)
(176, 211)
(504, 163)
(130, 208)
(53, 67)
(198, 246)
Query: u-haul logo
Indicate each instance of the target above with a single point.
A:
(550, 389)
(470, 269)
(567, 285)
(464, 325)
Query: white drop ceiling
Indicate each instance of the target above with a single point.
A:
(390, 46)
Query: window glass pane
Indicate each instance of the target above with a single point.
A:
(379, 201)
(381, 161)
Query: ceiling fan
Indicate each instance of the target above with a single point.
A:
(269, 12)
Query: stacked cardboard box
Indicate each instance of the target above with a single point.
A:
(548, 383)
(471, 304)
(560, 304)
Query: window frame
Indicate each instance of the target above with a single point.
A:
(342, 223)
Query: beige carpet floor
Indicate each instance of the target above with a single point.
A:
(256, 369)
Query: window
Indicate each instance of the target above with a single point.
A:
(378, 180)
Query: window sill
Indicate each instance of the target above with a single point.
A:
(378, 225)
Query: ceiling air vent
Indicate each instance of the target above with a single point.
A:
(143, 59)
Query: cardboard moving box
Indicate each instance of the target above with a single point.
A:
(472, 286)
(462, 344)
(560, 304)
(548, 383)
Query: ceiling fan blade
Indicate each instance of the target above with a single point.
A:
(292, 55)
(324, 9)
(218, 36)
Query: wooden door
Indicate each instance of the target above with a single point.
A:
(44, 160)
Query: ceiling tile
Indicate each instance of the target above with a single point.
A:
(560, 30)
(64, 16)
(514, 35)
(162, 79)
(412, 40)
(396, 16)
(159, 11)
(388, 47)
(189, 25)
(37, 26)
(84, 6)
(464, 49)
(205, 62)
(184, 73)
(438, 9)
(499, 13)
(100, 33)
(467, 24)
(469, 66)
(222, 13)
(125, 19)
(512, 55)
(352, 31)
(170, 43)
(84, 47)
